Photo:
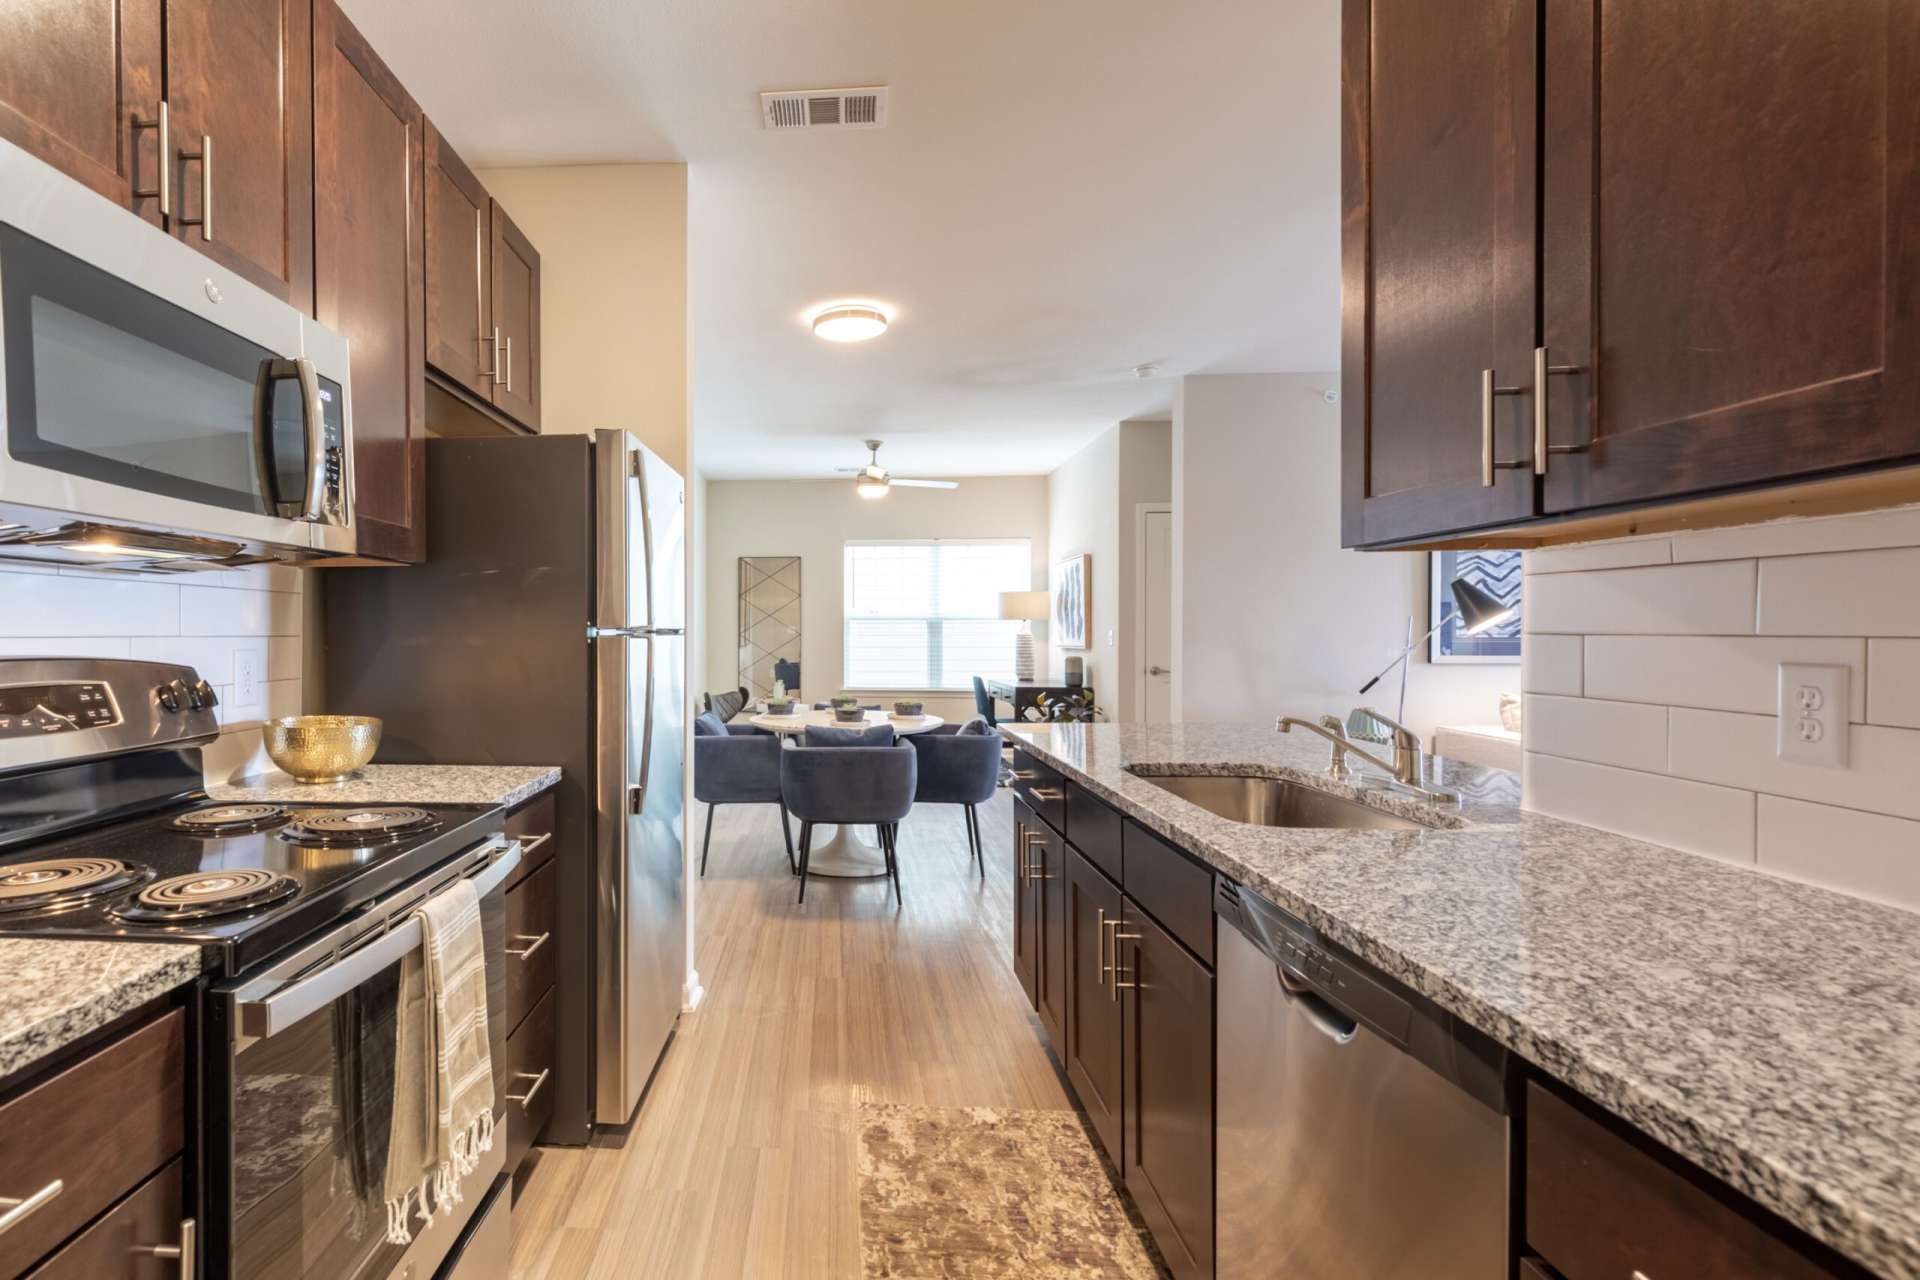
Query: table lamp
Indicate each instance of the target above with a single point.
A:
(1027, 607)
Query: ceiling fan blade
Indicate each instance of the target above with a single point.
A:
(849, 471)
(927, 484)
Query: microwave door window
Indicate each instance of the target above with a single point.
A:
(109, 382)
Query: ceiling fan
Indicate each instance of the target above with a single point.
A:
(874, 481)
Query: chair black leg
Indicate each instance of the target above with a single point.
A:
(890, 836)
(786, 830)
(973, 840)
(707, 843)
(806, 849)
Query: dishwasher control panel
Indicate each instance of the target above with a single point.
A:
(1293, 944)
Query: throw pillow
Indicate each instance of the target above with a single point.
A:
(707, 724)
(878, 735)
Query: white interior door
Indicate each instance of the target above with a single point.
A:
(1156, 638)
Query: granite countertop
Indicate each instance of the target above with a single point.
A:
(1769, 1031)
(499, 784)
(58, 990)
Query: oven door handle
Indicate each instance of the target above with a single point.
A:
(270, 1015)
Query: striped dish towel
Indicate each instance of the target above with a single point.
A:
(443, 1065)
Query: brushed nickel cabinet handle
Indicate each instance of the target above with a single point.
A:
(1639, 1275)
(1544, 368)
(1105, 968)
(529, 843)
(533, 944)
(525, 1099)
(1048, 793)
(205, 156)
(1023, 775)
(185, 1253)
(18, 1211)
(495, 375)
(1019, 852)
(164, 190)
(509, 364)
(1117, 985)
(1489, 392)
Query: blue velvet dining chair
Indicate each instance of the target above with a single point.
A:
(852, 786)
(983, 702)
(959, 764)
(736, 764)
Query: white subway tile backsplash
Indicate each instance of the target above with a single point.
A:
(223, 611)
(1893, 682)
(43, 604)
(61, 646)
(1866, 854)
(1742, 751)
(1551, 664)
(1854, 593)
(1694, 599)
(1897, 528)
(1628, 734)
(1600, 555)
(1715, 821)
(1722, 673)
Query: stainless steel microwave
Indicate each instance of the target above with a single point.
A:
(156, 410)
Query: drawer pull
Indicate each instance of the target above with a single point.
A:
(526, 1099)
(533, 944)
(1023, 775)
(183, 1253)
(529, 843)
(18, 1211)
(1048, 793)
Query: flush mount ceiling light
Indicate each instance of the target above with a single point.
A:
(848, 322)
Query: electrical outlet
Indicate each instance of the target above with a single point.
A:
(246, 679)
(1813, 714)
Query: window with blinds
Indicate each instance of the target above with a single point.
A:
(926, 614)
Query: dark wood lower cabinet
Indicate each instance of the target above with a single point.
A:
(119, 1246)
(1167, 1092)
(1093, 1041)
(1026, 911)
(1047, 867)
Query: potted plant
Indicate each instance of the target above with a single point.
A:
(1077, 707)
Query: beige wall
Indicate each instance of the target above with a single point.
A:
(814, 519)
(613, 295)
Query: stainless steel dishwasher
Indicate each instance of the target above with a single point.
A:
(1362, 1130)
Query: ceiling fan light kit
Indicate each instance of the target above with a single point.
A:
(873, 480)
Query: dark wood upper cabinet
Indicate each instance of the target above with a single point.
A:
(240, 89)
(1730, 194)
(459, 270)
(516, 314)
(1437, 262)
(76, 79)
(369, 250)
(1167, 1095)
(1719, 294)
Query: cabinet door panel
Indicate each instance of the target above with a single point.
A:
(516, 309)
(1026, 917)
(459, 271)
(370, 279)
(1729, 191)
(1050, 891)
(1093, 1042)
(1167, 1097)
(1438, 262)
(240, 73)
(74, 77)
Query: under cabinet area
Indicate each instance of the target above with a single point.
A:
(1591, 270)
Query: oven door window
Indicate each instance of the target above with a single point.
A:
(310, 1112)
(107, 381)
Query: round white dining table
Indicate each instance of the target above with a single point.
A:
(847, 852)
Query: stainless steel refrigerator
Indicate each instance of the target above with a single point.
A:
(548, 627)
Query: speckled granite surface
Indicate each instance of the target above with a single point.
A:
(501, 784)
(1769, 1031)
(56, 991)
(990, 1192)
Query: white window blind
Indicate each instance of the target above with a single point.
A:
(926, 614)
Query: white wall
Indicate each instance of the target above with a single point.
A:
(1274, 617)
(201, 619)
(814, 519)
(1652, 690)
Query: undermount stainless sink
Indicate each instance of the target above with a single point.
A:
(1277, 802)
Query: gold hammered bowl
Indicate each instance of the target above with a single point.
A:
(321, 748)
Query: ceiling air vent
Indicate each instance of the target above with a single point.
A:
(824, 109)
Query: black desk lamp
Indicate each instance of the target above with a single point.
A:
(1478, 612)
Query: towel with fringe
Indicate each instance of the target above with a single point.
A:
(443, 1065)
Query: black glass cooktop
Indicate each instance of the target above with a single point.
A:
(243, 880)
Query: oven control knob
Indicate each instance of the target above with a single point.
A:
(207, 695)
(168, 697)
(200, 696)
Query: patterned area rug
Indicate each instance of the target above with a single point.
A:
(987, 1192)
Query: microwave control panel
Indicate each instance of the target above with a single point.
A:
(35, 710)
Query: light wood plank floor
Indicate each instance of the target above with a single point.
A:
(744, 1158)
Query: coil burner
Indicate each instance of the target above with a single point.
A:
(56, 884)
(231, 819)
(204, 895)
(357, 826)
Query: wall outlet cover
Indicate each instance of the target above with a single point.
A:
(246, 679)
(1813, 714)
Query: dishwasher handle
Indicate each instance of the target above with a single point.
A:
(1327, 1020)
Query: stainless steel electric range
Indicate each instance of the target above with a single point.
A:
(303, 914)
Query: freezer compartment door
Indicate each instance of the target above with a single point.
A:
(640, 925)
(641, 538)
